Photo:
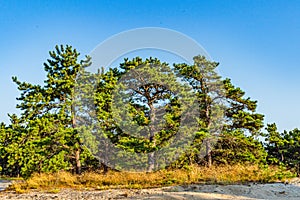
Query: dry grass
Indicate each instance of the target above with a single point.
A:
(215, 175)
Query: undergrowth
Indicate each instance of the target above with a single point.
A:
(53, 182)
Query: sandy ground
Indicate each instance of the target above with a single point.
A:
(4, 184)
(290, 191)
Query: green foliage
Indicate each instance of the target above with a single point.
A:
(235, 147)
(235, 115)
(45, 137)
(241, 110)
(142, 104)
(283, 148)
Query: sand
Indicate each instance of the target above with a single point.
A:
(290, 191)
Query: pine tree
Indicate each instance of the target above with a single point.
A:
(48, 114)
(150, 112)
(206, 83)
(283, 148)
(222, 107)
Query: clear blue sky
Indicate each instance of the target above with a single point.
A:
(256, 42)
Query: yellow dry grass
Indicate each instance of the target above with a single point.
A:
(194, 175)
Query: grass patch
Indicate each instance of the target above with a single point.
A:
(53, 182)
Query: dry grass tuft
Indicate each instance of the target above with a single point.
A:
(194, 175)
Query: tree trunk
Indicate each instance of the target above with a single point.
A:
(77, 151)
(207, 143)
(78, 164)
(105, 168)
(151, 156)
(208, 153)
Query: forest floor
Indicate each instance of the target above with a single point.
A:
(290, 191)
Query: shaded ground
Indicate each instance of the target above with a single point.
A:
(278, 191)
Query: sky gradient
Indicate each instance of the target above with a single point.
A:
(256, 42)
